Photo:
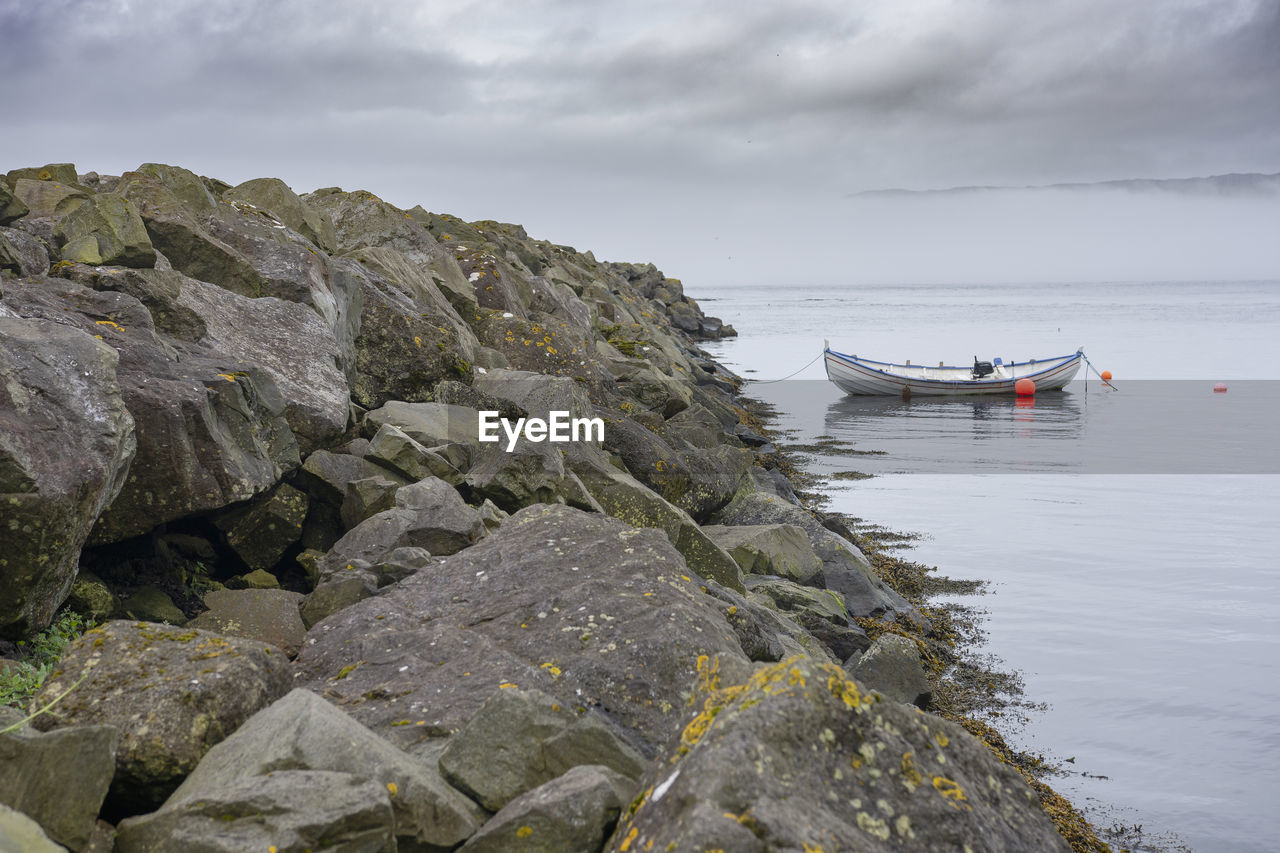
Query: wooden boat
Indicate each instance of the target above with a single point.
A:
(863, 376)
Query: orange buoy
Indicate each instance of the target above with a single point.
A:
(1024, 388)
(1220, 388)
(1106, 376)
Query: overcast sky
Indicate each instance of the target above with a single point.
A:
(721, 140)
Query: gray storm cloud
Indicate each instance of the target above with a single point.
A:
(718, 139)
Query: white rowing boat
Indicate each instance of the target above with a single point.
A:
(856, 375)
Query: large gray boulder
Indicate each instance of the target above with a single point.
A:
(520, 739)
(768, 549)
(11, 207)
(289, 811)
(177, 208)
(892, 666)
(20, 833)
(22, 254)
(289, 341)
(301, 731)
(583, 607)
(428, 514)
(404, 457)
(699, 480)
(269, 615)
(59, 779)
(537, 393)
(800, 755)
(844, 568)
(429, 424)
(528, 474)
(274, 195)
(627, 499)
(261, 532)
(788, 595)
(105, 230)
(210, 430)
(573, 813)
(49, 199)
(171, 692)
(407, 342)
(66, 441)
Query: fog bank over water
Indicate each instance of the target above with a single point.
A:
(1062, 235)
(741, 236)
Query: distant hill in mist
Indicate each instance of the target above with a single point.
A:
(1250, 184)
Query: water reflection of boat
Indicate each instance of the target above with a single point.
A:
(862, 376)
(956, 434)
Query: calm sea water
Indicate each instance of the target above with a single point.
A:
(1130, 537)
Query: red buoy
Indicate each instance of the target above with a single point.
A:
(1024, 388)
(1220, 388)
(1106, 376)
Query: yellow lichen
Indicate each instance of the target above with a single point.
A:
(951, 790)
(524, 832)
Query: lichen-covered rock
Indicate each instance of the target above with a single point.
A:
(801, 756)
(150, 603)
(48, 199)
(301, 731)
(22, 254)
(844, 568)
(429, 514)
(172, 693)
(367, 497)
(274, 195)
(175, 206)
(66, 441)
(578, 605)
(769, 549)
(11, 207)
(626, 498)
(429, 424)
(210, 431)
(261, 532)
(63, 173)
(698, 480)
(520, 739)
(59, 779)
(537, 393)
(892, 666)
(92, 598)
(822, 603)
(400, 454)
(405, 345)
(573, 813)
(105, 230)
(289, 811)
(529, 474)
(291, 342)
(269, 615)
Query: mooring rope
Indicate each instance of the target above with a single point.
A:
(1106, 382)
(788, 376)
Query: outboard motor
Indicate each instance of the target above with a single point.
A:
(982, 368)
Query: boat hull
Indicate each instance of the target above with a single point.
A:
(872, 378)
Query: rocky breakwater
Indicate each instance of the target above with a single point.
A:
(241, 430)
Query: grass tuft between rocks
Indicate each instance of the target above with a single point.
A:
(20, 680)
